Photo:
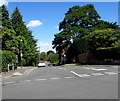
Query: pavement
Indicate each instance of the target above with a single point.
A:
(17, 72)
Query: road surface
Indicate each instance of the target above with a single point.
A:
(71, 82)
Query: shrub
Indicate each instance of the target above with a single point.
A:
(8, 57)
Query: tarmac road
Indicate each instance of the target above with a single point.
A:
(71, 82)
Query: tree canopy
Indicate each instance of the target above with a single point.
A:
(17, 38)
(82, 31)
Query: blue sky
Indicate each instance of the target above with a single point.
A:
(42, 18)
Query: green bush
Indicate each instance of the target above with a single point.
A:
(53, 58)
(8, 57)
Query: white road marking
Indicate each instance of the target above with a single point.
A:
(39, 79)
(84, 75)
(69, 77)
(27, 80)
(98, 69)
(111, 73)
(97, 74)
(80, 75)
(75, 73)
(54, 78)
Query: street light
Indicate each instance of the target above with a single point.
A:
(21, 52)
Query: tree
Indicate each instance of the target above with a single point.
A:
(8, 57)
(5, 18)
(28, 44)
(53, 58)
(102, 39)
(43, 56)
(50, 51)
(17, 22)
(7, 35)
(78, 22)
(105, 25)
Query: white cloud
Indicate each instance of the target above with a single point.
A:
(34, 23)
(44, 47)
(3, 2)
(56, 27)
(43, 44)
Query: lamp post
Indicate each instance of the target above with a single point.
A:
(21, 52)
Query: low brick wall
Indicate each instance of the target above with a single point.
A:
(86, 58)
(89, 58)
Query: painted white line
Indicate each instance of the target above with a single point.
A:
(27, 80)
(54, 78)
(98, 69)
(111, 73)
(97, 74)
(69, 77)
(80, 75)
(75, 73)
(39, 79)
(84, 75)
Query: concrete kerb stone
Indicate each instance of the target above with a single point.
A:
(114, 66)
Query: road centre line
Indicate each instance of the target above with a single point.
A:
(84, 75)
(97, 74)
(69, 77)
(27, 80)
(39, 79)
(54, 78)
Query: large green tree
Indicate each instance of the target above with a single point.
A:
(103, 39)
(28, 44)
(5, 18)
(78, 23)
